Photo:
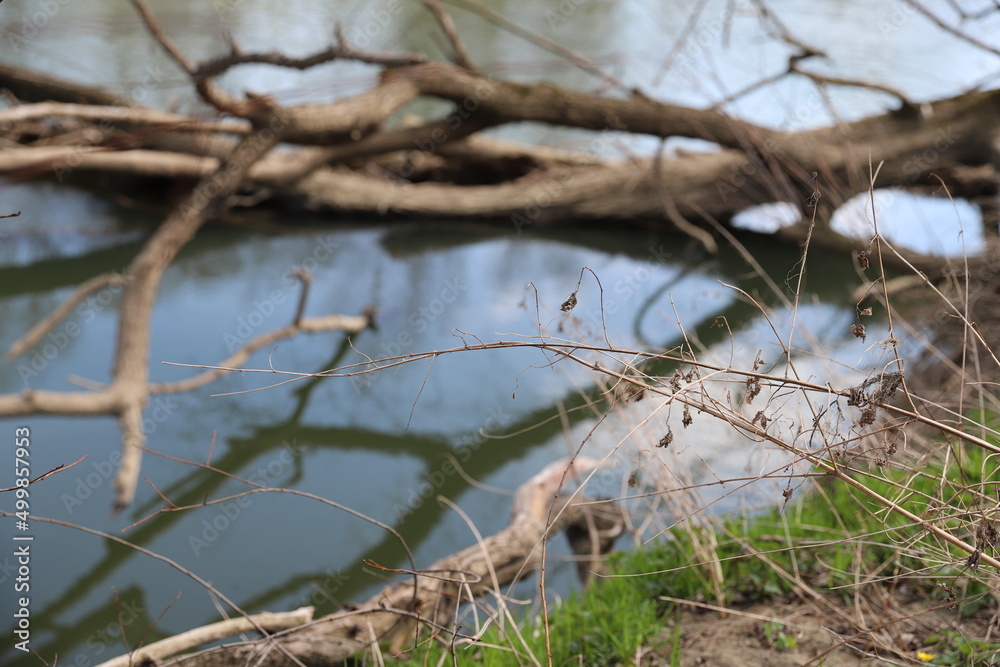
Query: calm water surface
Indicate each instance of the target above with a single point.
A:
(379, 444)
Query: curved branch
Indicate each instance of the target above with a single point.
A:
(268, 621)
(545, 103)
(339, 51)
(346, 323)
(37, 332)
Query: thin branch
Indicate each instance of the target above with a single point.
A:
(44, 475)
(306, 279)
(670, 208)
(152, 554)
(583, 63)
(451, 32)
(47, 323)
(121, 114)
(153, 25)
(616, 355)
(346, 323)
(270, 622)
(961, 34)
(852, 83)
(339, 51)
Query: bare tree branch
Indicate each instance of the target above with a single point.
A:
(451, 32)
(46, 324)
(435, 592)
(339, 51)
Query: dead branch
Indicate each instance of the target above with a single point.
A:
(451, 32)
(761, 166)
(37, 332)
(444, 168)
(431, 597)
(34, 86)
(533, 37)
(271, 622)
(554, 105)
(128, 392)
(339, 51)
(349, 120)
(120, 114)
(345, 323)
(131, 369)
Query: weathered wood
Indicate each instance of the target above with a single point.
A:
(350, 161)
(431, 597)
(755, 166)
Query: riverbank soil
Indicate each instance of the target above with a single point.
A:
(788, 631)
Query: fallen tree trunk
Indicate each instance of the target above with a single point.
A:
(431, 170)
(347, 156)
(427, 601)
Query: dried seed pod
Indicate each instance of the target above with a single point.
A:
(863, 256)
(859, 331)
(686, 419)
(952, 598)
(569, 304)
(675, 381)
(986, 535)
(666, 439)
(866, 312)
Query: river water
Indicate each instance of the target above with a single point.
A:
(386, 444)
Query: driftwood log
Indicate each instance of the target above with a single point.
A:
(427, 601)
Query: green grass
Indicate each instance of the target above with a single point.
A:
(836, 532)
(604, 625)
(951, 648)
(827, 538)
